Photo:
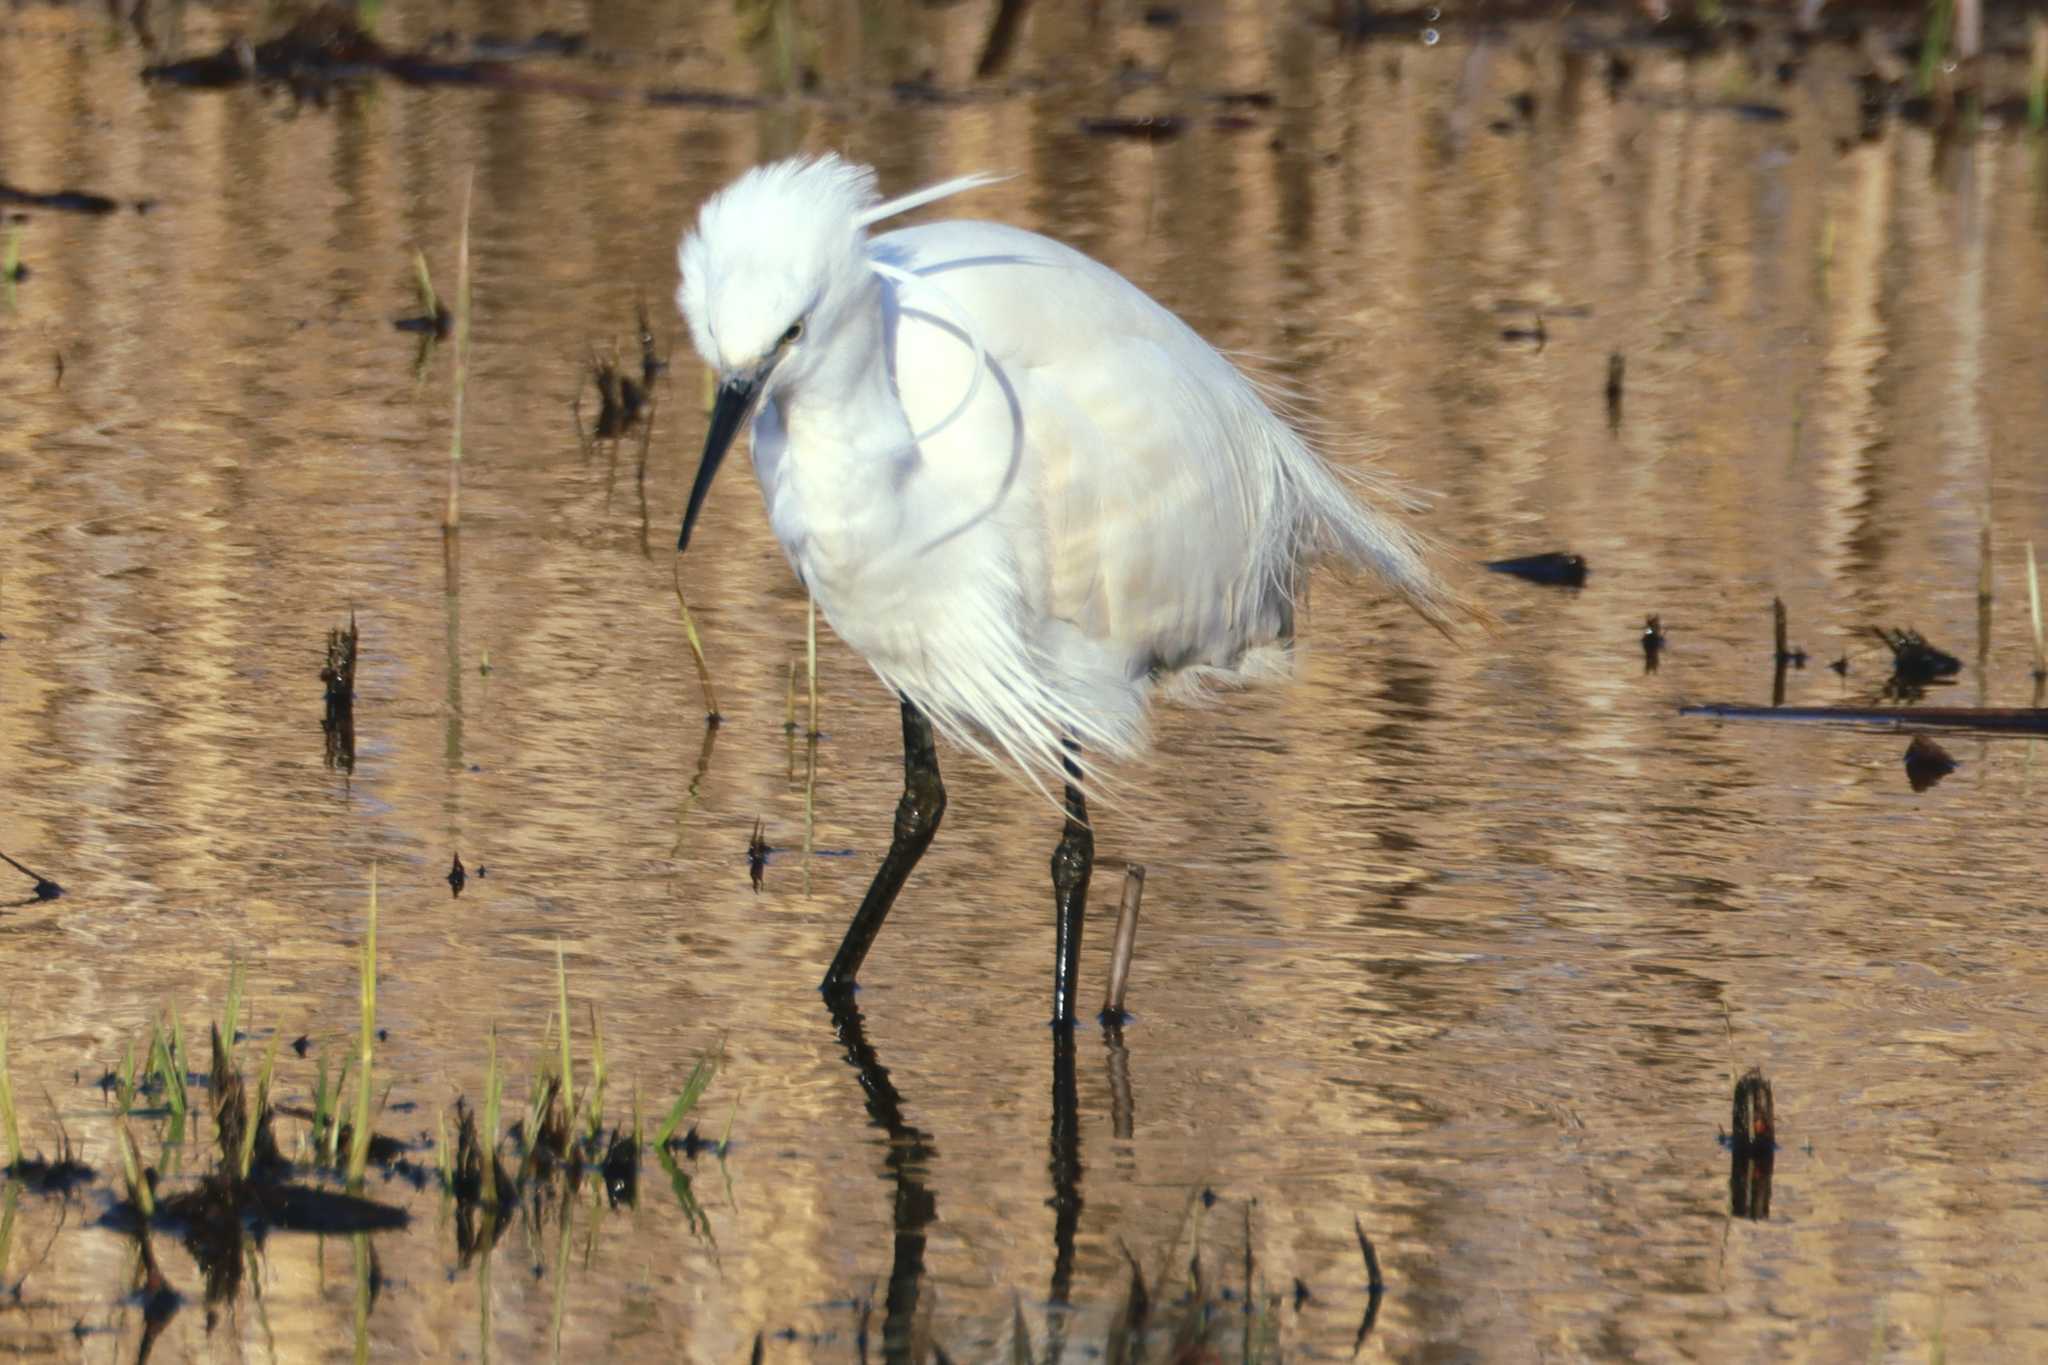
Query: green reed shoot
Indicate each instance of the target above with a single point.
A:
(256, 1112)
(359, 1149)
(131, 1170)
(7, 1225)
(494, 1090)
(568, 1091)
(7, 1116)
(1934, 43)
(10, 262)
(124, 1085)
(327, 1112)
(593, 1102)
(441, 1149)
(693, 1090)
(231, 1015)
(423, 280)
(167, 1064)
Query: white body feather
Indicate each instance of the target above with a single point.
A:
(1025, 492)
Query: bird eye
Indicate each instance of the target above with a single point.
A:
(793, 335)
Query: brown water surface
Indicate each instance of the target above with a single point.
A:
(1467, 943)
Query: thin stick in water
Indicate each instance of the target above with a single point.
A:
(1126, 939)
(2034, 605)
(452, 519)
(711, 715)
(811, 662)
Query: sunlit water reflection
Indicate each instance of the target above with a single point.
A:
(1465, 943)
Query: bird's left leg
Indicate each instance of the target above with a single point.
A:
(1071, 863)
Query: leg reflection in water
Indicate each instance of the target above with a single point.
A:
(1065, 1167)
(910, 1155)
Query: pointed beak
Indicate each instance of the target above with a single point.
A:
(735, 403)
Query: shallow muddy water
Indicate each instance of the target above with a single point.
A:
(1464, 943)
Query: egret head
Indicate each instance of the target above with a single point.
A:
(777, 264)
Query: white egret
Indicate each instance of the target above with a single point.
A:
(1024, 491)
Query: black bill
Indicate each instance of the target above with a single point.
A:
(735, 403)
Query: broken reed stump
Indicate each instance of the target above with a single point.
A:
(1752, 1147)
(339, 720)
(1126, 940)
(1653, 643)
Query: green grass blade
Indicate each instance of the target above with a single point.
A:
(359, 1149)
(594, 1102)
(7, 1101)
(256, 1113)
(492, 1093)
(231, 1015)
(131, 1171)
(568, 1091)
(693, 1089)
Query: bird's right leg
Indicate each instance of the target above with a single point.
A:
(917, 820)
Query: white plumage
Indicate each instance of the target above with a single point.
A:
(1023, 490)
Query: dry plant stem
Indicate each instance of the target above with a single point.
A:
(2034, 606)
(1126, 939)
(452, 518)
(811, 661)
(711, 714)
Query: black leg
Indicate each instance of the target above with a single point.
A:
(1065, 1168)
(917, 820)
(1071, 863)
